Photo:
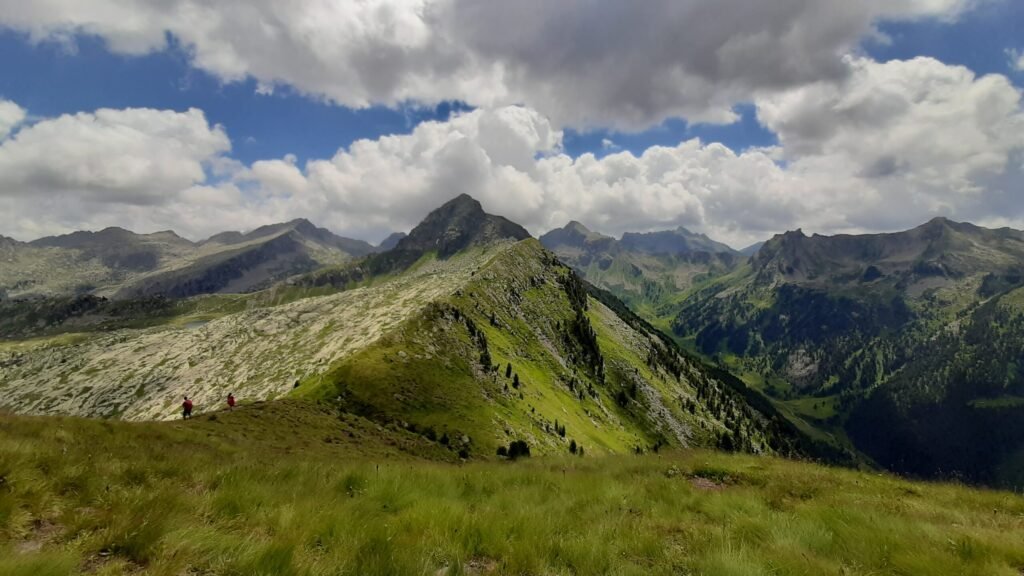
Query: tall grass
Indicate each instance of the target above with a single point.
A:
(202, 498)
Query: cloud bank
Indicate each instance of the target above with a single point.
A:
(887, 147)
(580, 63)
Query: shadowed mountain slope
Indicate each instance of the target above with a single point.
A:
(118, 263)
(907, 343)
(390, 242)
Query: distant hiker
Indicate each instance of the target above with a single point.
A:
(186, 409)
(231, 401)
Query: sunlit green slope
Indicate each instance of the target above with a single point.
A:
(522, 351)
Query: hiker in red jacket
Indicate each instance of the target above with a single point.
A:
(231, 401)
(186, 409)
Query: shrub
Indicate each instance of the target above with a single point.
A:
(518, 449)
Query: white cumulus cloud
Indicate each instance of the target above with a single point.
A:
(582, 64)
(64, 172)
(10, 116)
(134, 156)
(891, 146)
(919, 137)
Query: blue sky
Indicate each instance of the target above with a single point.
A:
(631, 78)
(979, 39)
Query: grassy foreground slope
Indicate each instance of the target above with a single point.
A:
(292, 488)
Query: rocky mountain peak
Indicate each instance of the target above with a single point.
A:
(304, 226)
(576, 235)
(678, 241)
(577, 226)
(459, 224)
(391, 241)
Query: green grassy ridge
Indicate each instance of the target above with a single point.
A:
(520, 303)
(423, 383)
(452, 368)
(429, 374)
(247, 494)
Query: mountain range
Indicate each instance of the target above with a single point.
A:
(466, 330)
(899, 350)
(118, 263)
(906, 345)
(649, 271)
(903, 347)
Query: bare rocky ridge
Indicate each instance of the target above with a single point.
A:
(258, 353)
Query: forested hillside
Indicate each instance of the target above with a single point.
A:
(906, 344)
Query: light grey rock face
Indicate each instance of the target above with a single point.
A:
(257, 353)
